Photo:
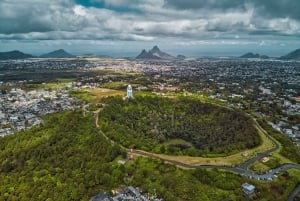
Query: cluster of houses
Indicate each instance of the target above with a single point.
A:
(132, 193)
(21, 110)
(291, 131)
(129, 193)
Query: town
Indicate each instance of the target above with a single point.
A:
(266, 88)
(21, 110)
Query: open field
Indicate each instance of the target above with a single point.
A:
(276, 159)
(94, 95)
(57, 85)
(259, 166)
(115, 85)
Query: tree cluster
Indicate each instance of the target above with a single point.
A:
(149, 123)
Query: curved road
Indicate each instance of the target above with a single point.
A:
(259, 156)
(241, 169)
(294, 193)
(268, 176)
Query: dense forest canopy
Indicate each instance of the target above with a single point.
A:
(68, 159)
(177, 126)
(65, 159)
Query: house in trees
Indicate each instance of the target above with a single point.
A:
(248, 188)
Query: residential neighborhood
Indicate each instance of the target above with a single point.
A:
(265, 88)
(22, 109)
(128, 193)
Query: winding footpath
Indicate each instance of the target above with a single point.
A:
(241, 169)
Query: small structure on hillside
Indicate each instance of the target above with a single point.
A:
(265, 159)
(245, 153)
(248, 188)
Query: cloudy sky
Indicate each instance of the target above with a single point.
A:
(124, 27)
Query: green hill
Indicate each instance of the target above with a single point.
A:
(294, 55)
(63, 160)
(66, 159)
(57, 54)
(177, 126)
(14, 55)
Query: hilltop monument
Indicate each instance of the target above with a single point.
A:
(129, 92)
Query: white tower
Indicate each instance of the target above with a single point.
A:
(129, 92)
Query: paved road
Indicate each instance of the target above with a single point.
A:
(259, 156)
(241, 169)
(267, 176)
(294, 193)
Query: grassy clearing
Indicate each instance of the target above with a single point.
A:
(276, 159)
(294, 173)
(259, 166)
(115, 85)
(231, 160)
(115, 72)
(59, 84)
(94, 95)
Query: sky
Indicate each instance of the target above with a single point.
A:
(125, 27)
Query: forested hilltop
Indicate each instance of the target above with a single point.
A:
(67, 159)
(177, 126)
(62, 160)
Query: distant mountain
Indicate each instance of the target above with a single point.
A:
(182, 57)
(57, 54)
(251, 55)
(294, 55)
(154, 53)
(14, 55)
(146, 55)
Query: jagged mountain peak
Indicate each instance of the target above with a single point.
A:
(154, 53)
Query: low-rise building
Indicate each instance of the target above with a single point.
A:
(248, 188)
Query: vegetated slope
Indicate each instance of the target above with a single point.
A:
(150, 123)
(14, 55)
(63, 160)
(57, 54)
(289, 150)
(294, 55)
(250, 55)
(66, 159)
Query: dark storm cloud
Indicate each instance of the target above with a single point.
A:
(267, 8)
(206, 4)
(278, 8)
(155, 19)
(15, 19)
(37, 16)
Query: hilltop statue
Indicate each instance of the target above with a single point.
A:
(129, 92)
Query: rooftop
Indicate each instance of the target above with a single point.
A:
(248, 187)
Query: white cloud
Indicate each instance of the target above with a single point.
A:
(66, 20)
